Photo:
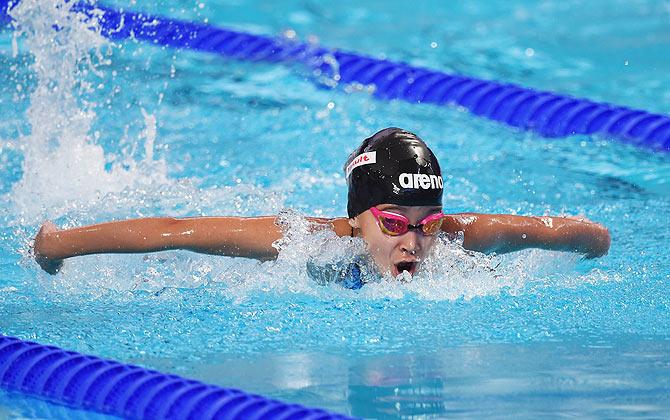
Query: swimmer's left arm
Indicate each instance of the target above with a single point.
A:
(497, 233)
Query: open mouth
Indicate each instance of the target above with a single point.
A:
(409, 266)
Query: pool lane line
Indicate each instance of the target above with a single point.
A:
(109, 387)
(549, 114)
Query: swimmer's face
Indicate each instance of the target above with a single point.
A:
(394, 254)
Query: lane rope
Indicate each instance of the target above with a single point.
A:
(109, 387)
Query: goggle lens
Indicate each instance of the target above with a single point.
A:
(392, 226)
(432, 227)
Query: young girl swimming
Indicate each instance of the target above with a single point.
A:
(394, 204)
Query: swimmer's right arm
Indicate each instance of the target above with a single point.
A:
(250, 237)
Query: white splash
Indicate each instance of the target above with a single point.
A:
(63, 168)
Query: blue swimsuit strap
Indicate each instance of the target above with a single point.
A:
(352, 279)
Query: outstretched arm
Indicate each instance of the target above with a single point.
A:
(250, 237)
(506, 233)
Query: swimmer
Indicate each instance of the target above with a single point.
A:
(395, 190)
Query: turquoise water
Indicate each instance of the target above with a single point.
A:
(93, 132)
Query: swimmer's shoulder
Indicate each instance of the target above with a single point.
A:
(453, 224)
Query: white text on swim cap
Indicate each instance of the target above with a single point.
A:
(362, 159)
(420, 181)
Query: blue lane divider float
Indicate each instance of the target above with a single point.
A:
(546, 113)
(109, 387)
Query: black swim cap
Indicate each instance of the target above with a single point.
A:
(393, 166)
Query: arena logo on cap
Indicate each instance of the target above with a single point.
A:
(362, 159)
(420, 181)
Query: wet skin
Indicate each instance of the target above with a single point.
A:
(394, 254)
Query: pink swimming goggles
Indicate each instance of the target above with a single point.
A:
(394, 224)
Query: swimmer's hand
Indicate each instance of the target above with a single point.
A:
(596, 237)
(51, 266)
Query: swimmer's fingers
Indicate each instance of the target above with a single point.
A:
(598, 240)
(47, 264)
(47, 227)
(50, 266)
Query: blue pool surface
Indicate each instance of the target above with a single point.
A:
(93, 131)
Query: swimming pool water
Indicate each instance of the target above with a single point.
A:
(133, 130)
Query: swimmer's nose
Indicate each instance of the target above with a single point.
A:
(410, 243)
